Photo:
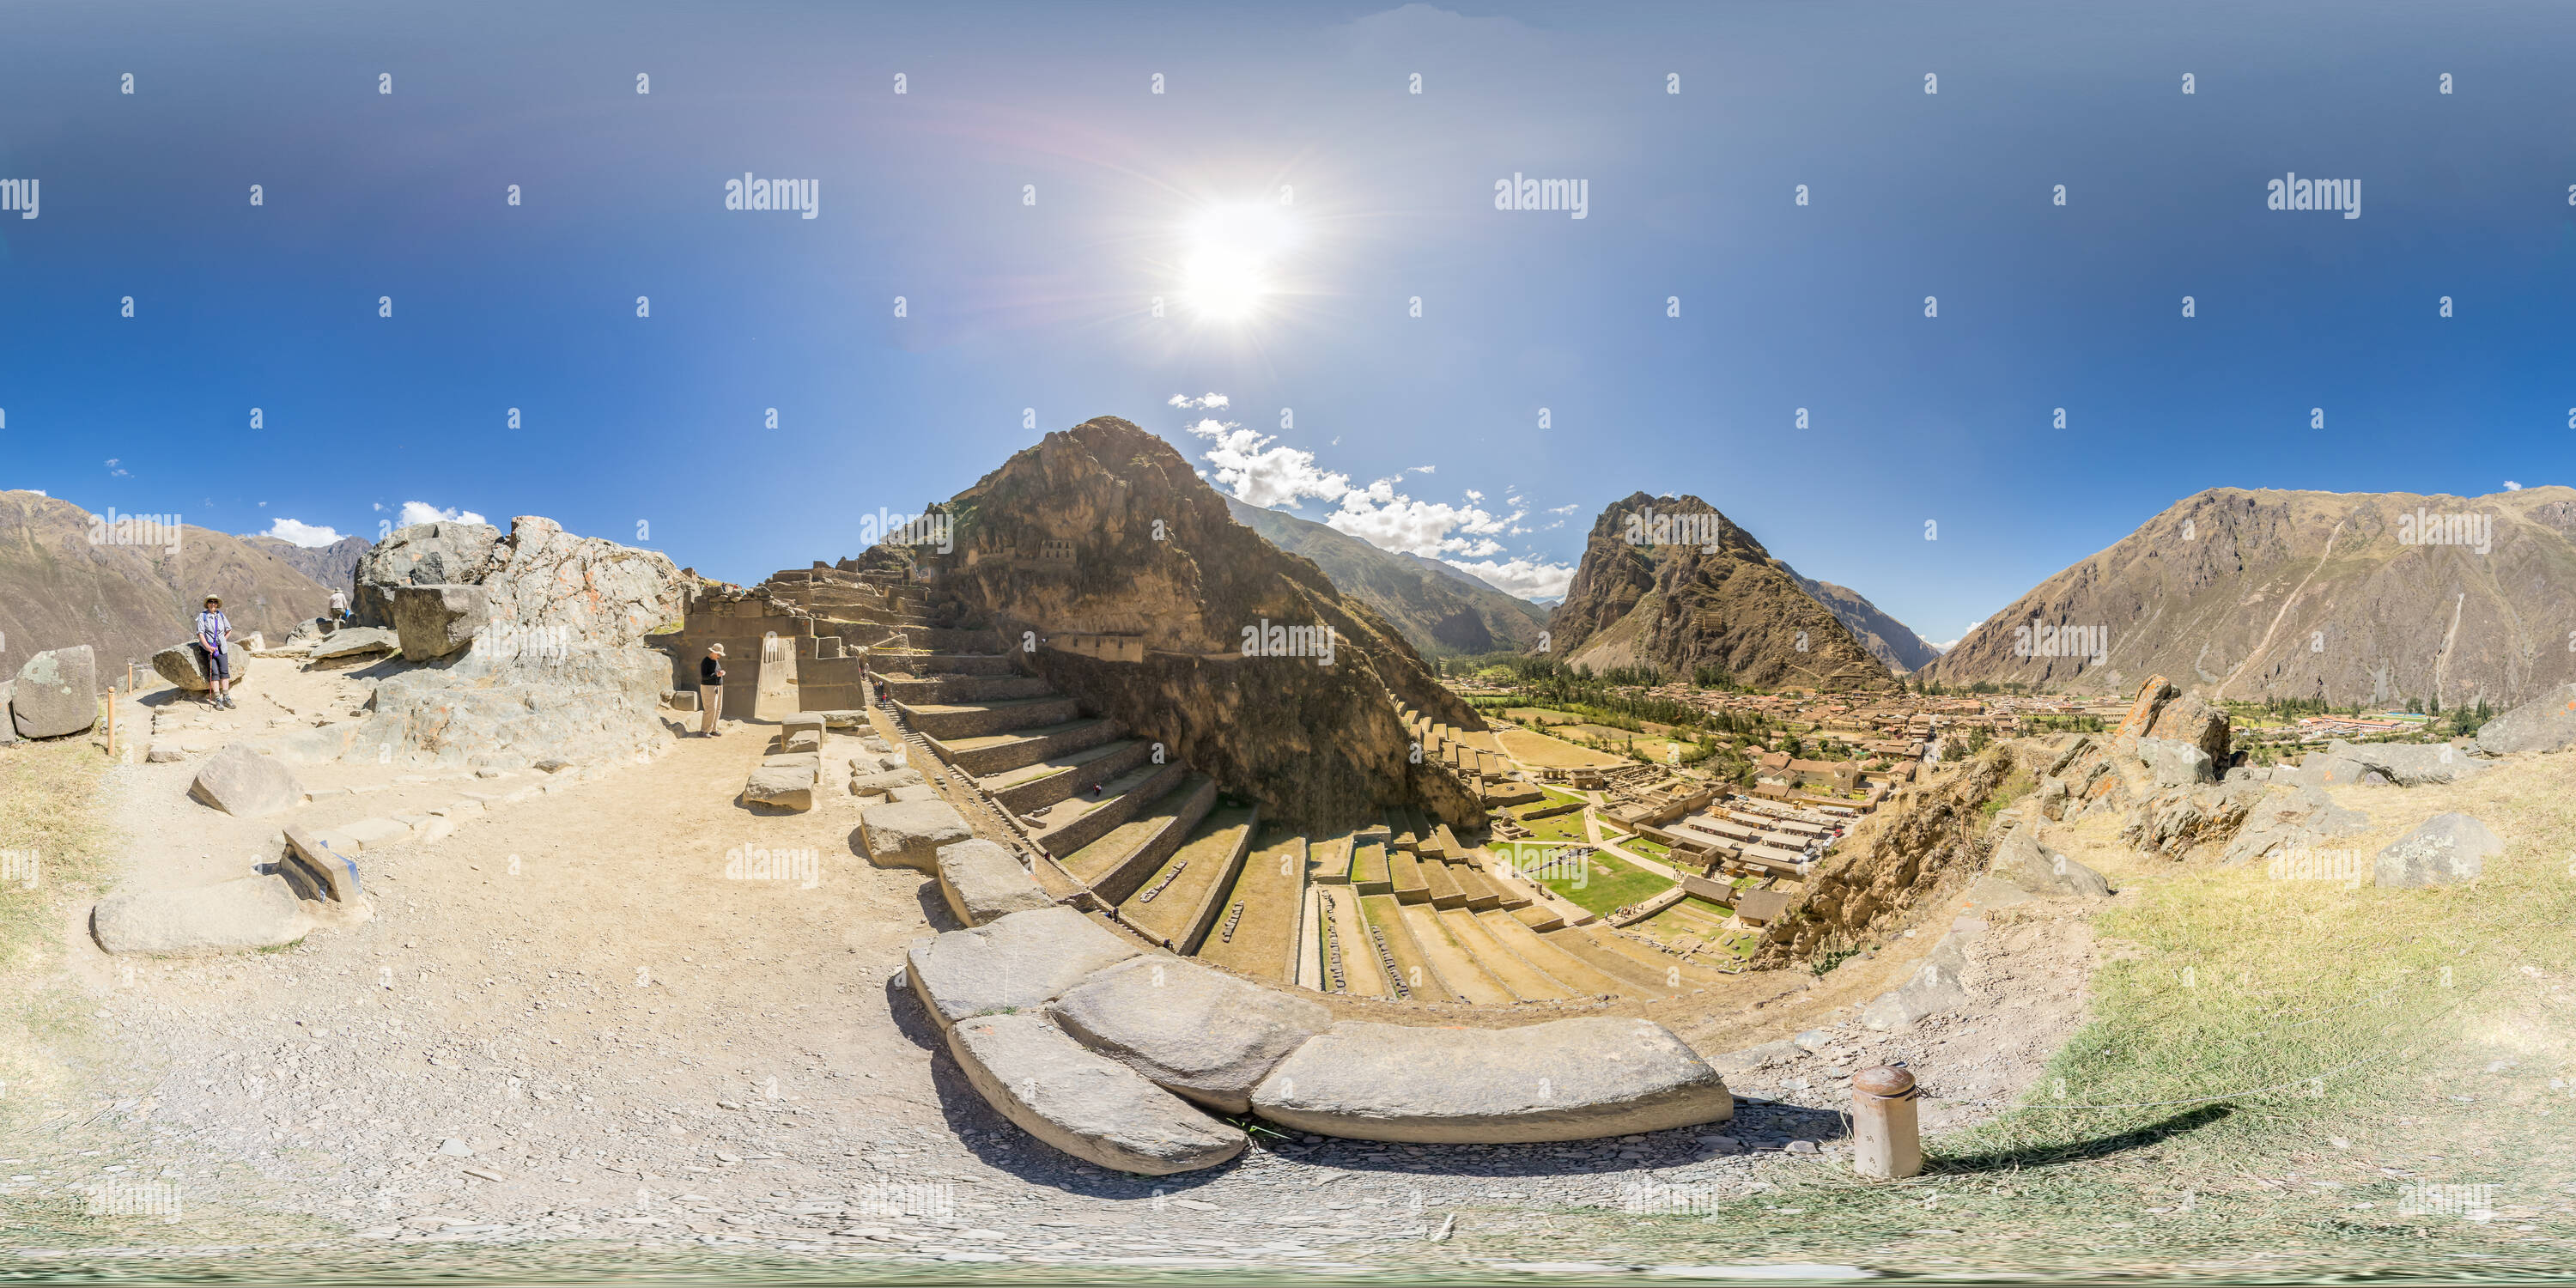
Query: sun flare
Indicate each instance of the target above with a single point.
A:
(1229, 266)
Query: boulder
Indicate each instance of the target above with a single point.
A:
(163, 753)
(879, 782)
(681, 699)
(2189, 719)
(1018, 963)
(245, 784)
(2176, 819)
(1083, 1103)
(1937, 986)
(56, 693)
(334, 872)
(183, 666)
(2021, 863)
(780, 787)
(434, 621)
(8, 726)
(2449, 849)
(249, 913)
(2141, 719)
(1575, 1079)
(1994, 892)
(2176, 764)
(2412, 764)
(2546, 723)
(1194, 1031)
(914, 792)
(984, 882)
(2299, 818)
(909, 834)
(353, 641)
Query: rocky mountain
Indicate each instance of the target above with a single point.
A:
(129, 590)
(1671, 583)
(1439, 609)
(1890, 641)
(1106, 530)
(2353, 597)
(335, 566)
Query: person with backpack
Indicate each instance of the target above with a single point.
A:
(710, 690)
(213, 629)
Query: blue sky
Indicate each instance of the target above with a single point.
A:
(1045, 309)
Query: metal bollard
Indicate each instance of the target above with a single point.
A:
(1887, 1143)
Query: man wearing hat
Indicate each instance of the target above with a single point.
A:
(710, 689)
(212, 630)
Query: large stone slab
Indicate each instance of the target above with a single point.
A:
(1194, 1031)
(1080, 1102)
(335, 872)
(2546, 723)
(2296, 819)
(2413, 764)
(436, 620)
(235, 916)
(2021, 862)
(909, 834)
(354, 640)
(984, 882)
(56, 693)
(183, 666)
(1019, 963)
(2449, 849)
(784, 786)
(243, 783)
(1571, 1079)
(1935, 987)
(879, 782)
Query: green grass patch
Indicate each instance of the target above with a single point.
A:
(1611, 884)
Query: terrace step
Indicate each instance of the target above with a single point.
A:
(950, 721)
(900, 661)
(934, 639)
(1400, 827)
(1442, 884)
(1116, 865)
(1638, 978)
(1526, 981)
(953, 687)
(1369, 873)
(1567, 969)
(1407, 873)
(1031, 788)
(1654, 958)
(1479, 890)
(1455, 961)
(1260, 940)
(993, 753)
(1421, 983)
(1538, 916)
(1361, 975)
(1069, 825)
(1180, 902)
(1331, 860)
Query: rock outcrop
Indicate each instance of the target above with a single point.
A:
(1672, 584)
(2546, 723)
(2024, 864)
(1923, 840)
(435, 620)
(2448, 849)
(557, 671)
(2302, 817)
(1105, 531)
(1936, 987)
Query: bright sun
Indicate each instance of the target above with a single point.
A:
(1228, 268)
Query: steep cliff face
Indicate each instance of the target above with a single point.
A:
(1105, 529)
(1673, 584)
(1892, 642)
(2351, 597)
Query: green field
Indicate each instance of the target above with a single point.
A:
(1612, 884)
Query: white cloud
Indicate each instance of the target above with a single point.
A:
(1474, 495)
(1263, 475)
(423, 512)
(1972, 629)
(114, 470)
(1527, 578)
(307, 535)
(2511, 486)
(1213, 401)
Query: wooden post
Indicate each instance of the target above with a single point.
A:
(1887, 1142)
(111, 722)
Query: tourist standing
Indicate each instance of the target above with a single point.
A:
(339, 606)
(710, 689)
(213, 629)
